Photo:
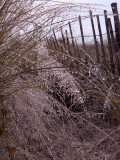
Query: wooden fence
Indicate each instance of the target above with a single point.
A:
(113, 41)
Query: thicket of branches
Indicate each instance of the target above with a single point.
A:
(23, 27)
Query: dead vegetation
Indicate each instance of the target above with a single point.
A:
(48, 111)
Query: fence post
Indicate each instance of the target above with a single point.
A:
(63, 38)
(109, 43)
(57, 46)
(95, 40)
(78, 51)
(54, 44)
(68, 46)
(51, 40)
(83, 41)
(116, 22)
(73, 44)
(114, 45)
(101, 38)
(68, 43)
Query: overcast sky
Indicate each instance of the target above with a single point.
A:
(103, 2)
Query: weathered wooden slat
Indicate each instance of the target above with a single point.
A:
(56, 41)
(73, 43)
(95, 40)
(116, 22)
(63, 38)
(83, 40)
(101, 37)
(68, 47)
(115, 46)
(68, 43)
(53, 43)
(109, 43)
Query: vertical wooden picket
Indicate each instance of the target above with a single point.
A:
(95, 40)
(115, 46)
(116, 22)
(109, 43)
(101, 37)
(83, 40)
(73, 43)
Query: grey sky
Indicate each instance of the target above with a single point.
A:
(107, 3)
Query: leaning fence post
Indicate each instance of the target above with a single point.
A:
(54, 44)
(95, 40)
(51, 45)
(116, 22)
(48, 44)
(57, 46)
(73, 44)
(63, 38)
(68, 43)
(83, 41)
(68, 46)
(109, 43)
(101, 38)
(114, 45)
(51, 40)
